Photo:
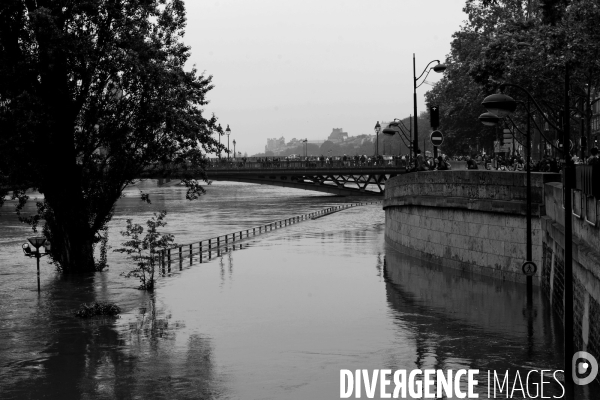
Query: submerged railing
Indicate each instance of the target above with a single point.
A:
(205, 248)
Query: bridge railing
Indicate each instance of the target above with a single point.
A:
(281, 163)
(204, 249)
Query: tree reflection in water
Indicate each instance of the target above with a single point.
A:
(104, 358)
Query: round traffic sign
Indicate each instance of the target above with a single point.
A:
(529, 268)
(436, 138)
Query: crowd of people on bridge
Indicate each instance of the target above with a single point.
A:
(309, 161)
(421, 162)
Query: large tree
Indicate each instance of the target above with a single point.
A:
(526, 43)
(92, 93)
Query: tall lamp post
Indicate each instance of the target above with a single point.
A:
(502, 105)
(377, 130)
(228, 132)
(397, 126)
(436, 68)
(305, 141)
(36, 242)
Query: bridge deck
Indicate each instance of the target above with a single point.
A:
(341, 178)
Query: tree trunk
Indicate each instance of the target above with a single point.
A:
(72, 245)
(68, 224)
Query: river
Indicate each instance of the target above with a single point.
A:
(276, 318)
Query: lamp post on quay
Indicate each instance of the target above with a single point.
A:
(499, 106)
(37, 243)
(377, 130)
(502, 105)
(437, 68)
(228, 132)
(397, 126)
(305, 141)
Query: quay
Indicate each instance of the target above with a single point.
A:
(204, 248)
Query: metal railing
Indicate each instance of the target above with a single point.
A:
(205, 248)
(281, 163)
(587, 179)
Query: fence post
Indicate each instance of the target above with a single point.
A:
(200, 252)
(191, 254)
(180, 257)
(169, 265)
(218, 242)
(226, 240)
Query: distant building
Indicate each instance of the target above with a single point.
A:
(337, 135)
(275, 145)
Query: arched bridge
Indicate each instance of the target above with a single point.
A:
(346, 178)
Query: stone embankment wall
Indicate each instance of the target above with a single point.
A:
(586, 263)
(474, 221)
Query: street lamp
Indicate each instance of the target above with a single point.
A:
(36, 242)
(377, 130)
(500, 106)
(505, 104)
(436, 68)
(305, 141)
(234, 153)
(228, 132)
(397, 126)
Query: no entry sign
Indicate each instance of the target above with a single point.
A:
(436, 138)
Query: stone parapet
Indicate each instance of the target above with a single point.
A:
(473, 221)
(474, 184)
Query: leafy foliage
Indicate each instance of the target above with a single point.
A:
(93, 309)
(528, 44)
(92, 94)
(143, 249)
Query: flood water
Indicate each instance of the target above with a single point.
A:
(277, 318)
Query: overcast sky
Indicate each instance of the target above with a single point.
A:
(298, 68)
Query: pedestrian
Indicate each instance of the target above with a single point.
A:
(594, 158)
(471, 164)
(441, 164)
(420, 164)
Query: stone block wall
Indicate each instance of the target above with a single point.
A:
(491, 244)
(474, 221)
(586, 268)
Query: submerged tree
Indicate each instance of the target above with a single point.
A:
(93, 93)
(143, 250)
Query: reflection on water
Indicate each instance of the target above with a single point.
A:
(274, 317)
